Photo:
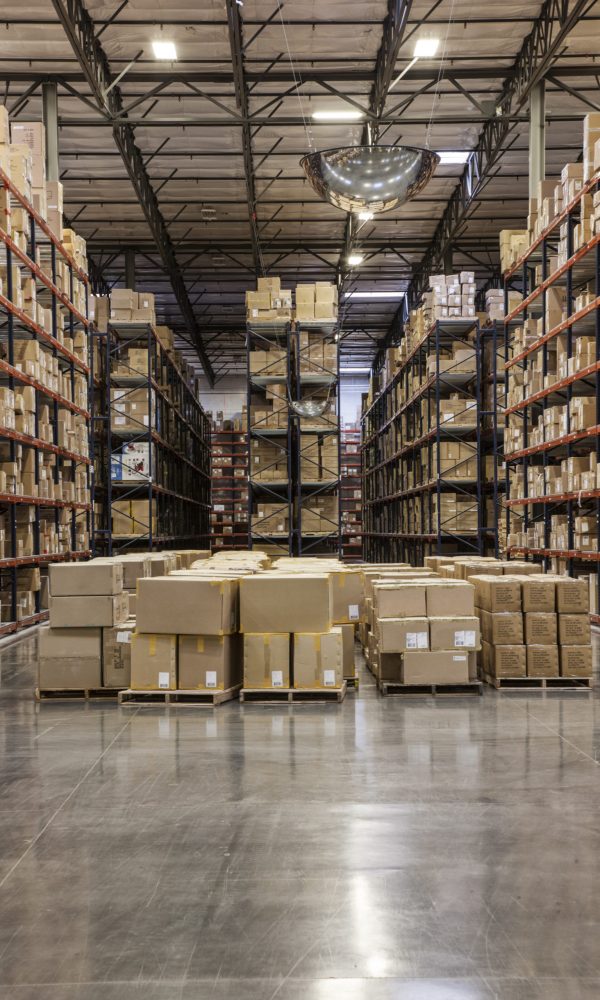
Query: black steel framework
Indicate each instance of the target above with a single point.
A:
(230, 523)
(351, 484)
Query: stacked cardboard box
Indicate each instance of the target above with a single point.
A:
(533, 626)
(451, 296)
(270, 303)
(316, 302)
(271, 518)
(127, 306)
(317, 354)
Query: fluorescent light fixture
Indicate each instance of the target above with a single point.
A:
(355, 259)
(426, 48)
(374, 295)
(165, 51)
(448, 156)
(355, 371)
(365, 216)
(338, 115)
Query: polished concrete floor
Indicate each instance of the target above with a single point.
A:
(375, 850)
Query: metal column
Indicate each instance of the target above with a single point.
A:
(537, 137)
(50, 114)
(130, 268)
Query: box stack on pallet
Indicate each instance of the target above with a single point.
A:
(553, 372)
(153, 428)
(45, 501)
(229, 477)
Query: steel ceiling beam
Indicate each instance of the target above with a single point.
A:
(540, 49)
(236, 44)
(80, 31)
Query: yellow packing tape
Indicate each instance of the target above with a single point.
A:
(200, 644)
(152, 645)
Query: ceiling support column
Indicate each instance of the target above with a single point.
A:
(537, 137)
(50, 115)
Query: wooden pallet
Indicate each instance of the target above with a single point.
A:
(539, 683)
(274, 696)
(195, 699)
(352, 682)
(77, 694)
(429, 690)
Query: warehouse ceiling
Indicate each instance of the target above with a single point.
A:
(221, 132)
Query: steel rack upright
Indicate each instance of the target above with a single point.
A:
(316, 456)
(229, 477)
(270, 484)
(491, 351)
(351, 494)
(44, 440)
(546, 504)
(421, 452)
(157, 494)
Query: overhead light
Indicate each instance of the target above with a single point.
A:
(374, 295)
(338, 115)
(355, 371)
(449, 156)
(165, 51)
(354, 259)
(426, 48)
(365, 216)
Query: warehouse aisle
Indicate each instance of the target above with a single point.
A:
(375, 850)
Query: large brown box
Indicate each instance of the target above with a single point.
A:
(209, 662)
(454, 633)
(57, 643)
(501, 627)
(574, 630)
(88, 612)
(390, 667)
(540, 628)
(395, 635)
(75, 673)
(400, 600)
(503, 661)
(318, 659)
(116, 655)
(153, 661)
(347, 595)
(452, 597)
(285, 603)
(576, 661)
(135, 569)
(440, 667)
(81, 579)
(187, 605)
(572, 596)
(495, 594)
(267, 660)
(348, 637)
(542, 661)
(538, 593)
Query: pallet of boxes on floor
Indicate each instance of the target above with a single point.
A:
(85, 651)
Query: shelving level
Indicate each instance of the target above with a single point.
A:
(351, 494)
(421, 449)
(553, 392)
(158, 439)
(45, 504)
(270, 436)
(229, 476)
(317, 438)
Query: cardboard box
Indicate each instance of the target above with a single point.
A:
(153, 662)
(80, 579)
(503, 661)
(134, 569)
(389, 667)
(540, 628)
(347, 595)
(452, 597)
(454, 633)
(572, 596)
(574, 630)
(187, 605)
(576, 661)
(495, 594)
(348, 636)
(502, 628)
(267, 660)
(395, 635)
(88, 612)
(318, 659)
(538, 593)
(285, 603)
(440, 667)
(116, 655)
(209, 662)
(68, 643)
(400, 600)
(542, 661)
(73, 673)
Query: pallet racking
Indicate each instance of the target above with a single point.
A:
(550, 496)
(155, 438)
(45, 495)
(229, 477)
(351, 493)
(491, 352)
(422, 449)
